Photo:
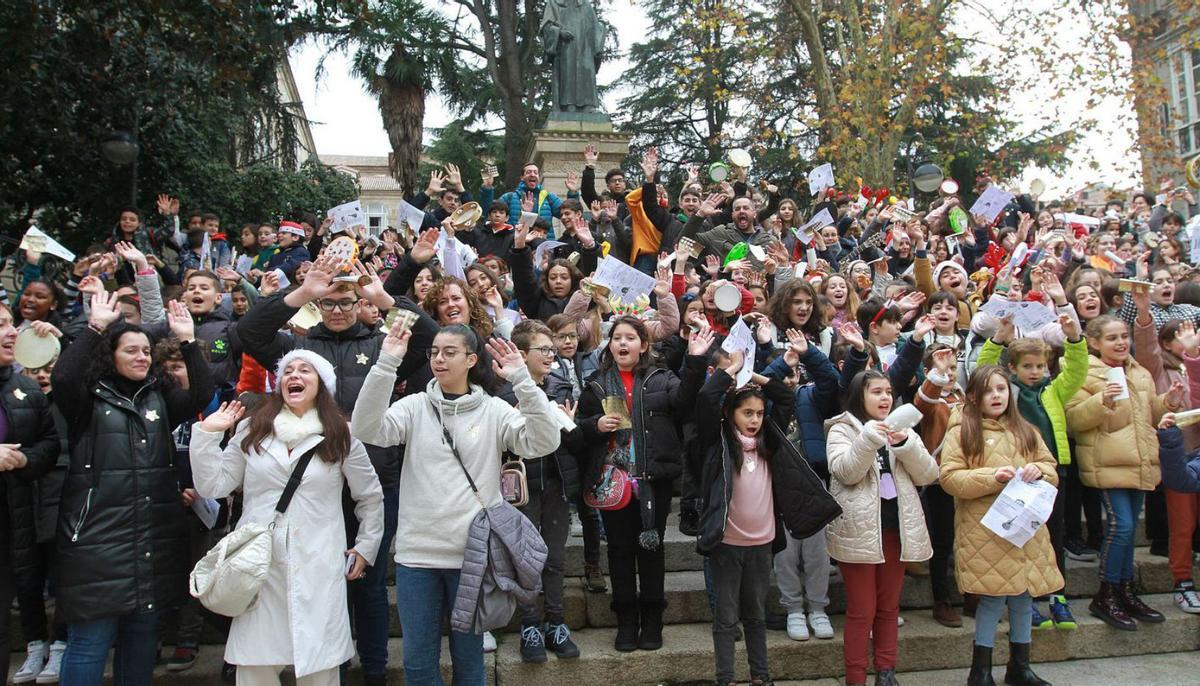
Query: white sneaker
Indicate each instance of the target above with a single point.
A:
(489, 642)
(899, 620)
(53, 666)
(35, 660)
(820, 625)
(797, 626)
(1186, 598)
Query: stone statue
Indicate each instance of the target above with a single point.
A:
(573, 37)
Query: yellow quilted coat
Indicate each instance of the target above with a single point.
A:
(1117, 448)
(985, 563)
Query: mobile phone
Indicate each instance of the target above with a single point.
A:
(350, 563)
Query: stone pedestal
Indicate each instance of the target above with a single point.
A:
(558, 148)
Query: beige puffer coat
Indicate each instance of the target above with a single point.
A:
(1117, 448)
(985, 563)
(856, 536)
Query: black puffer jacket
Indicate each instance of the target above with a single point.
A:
(660, 400)
(31, 425)
(122, 529)
(802, 505)
(351, 352)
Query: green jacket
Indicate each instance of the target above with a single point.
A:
(1072, 374)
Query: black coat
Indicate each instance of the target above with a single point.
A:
(561, 462)
(534, 301)
(30, 424)
(352, 353)
(123, 536)
(802, 505)
(660, 401)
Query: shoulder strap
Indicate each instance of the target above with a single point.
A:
(293, 483)
(450, 442)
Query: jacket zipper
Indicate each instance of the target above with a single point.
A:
(83, 513)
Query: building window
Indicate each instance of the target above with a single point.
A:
(1185, 140)
(377, 216)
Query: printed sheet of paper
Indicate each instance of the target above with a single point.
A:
(804, 233)
(1020, 510)
(741, 338)
(207, 510)
(624, 282)
(1027, 316)
(36, 240)
(411, 216)
(347, 215)
(1195, 245)
(820, 178)
(991, 202)
(244, 264)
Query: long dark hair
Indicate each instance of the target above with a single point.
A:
(572, 270)
(780, 303)
(102, 365)
(765, 442)
(858, 386)
(334, 424)
(481, 374)
(645, 360)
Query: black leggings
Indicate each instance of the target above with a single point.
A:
(939, 517)
(628, 562)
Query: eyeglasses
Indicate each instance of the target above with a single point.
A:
(566, 336)
(331, 305)
(444, 353)
(545, 351)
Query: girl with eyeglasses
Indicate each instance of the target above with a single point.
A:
(454, 414)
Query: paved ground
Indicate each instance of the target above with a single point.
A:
(1168, 669)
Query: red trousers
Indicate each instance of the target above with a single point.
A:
(1183, 509)
(872, 605)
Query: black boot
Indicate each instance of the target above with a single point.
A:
(652, 624)
(981, 667)
(1107, 606)
(374, 680)
(1018, 672)
(886, 677)
(627, 630)
(1134, 606)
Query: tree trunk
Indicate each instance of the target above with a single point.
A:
(402, 107)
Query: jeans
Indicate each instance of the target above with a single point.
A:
(987, 618)
(629, 564)
(939, 518)
(136, 640)
(802, 569)
(423, 598)
(872, 605)
(30, 587)
(548, 510)
(369, 595)
(7, 584)
(1121, 508)
(741, 576)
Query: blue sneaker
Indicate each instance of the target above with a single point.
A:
(1040, 621)
(1060, 612)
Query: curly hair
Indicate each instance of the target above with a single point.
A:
(102, 365)
(780, 304)
(480, 321)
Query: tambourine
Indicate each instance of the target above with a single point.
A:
(344, 249)
(32, 351)
(727, 298)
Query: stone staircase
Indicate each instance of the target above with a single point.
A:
(687, 653)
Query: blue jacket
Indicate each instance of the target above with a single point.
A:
(815, 402)
(548, 205)
(1178, 472)
(288, 259)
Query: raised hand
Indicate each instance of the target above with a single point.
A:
(1177, 395)
(662, 282)
(711, 205)
(520, 234)
(944, 361)
(454, 177)
(130, 253)
(735, 362)
(527, 202)
(91, 285)
(850, 333)
(590, 155)
(230, 275)
(911, 302)
(923, 326)
(166, 205)
(370, 286)
(180, 321)
(436, 181)
(568, 408)
(797, 347)
(269, 283)
(104, 310)
(226, 417)
(395, 343)
(425, 247)
(488, 175)
(693, 171)
(44, 329)
(318, 281)
(700, 341)
(650, 163)
(712, 265)
(572, 182)
(506, 357)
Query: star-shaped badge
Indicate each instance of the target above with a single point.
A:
(152, 415)
(361, 358)
(19, 394)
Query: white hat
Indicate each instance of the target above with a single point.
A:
(322, 365)
(949, 264)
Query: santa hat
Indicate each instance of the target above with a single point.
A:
(949, 264)
(322, 365)
(292, 228)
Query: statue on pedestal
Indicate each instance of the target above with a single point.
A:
(573, 38)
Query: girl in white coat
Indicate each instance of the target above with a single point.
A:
(300, 617)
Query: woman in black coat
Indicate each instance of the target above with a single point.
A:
(649, 450)
(122, 532)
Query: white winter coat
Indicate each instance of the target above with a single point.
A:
(857, 535)
(301, 616)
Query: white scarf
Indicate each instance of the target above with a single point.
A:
(290, 429)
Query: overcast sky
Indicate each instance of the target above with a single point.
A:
(347, 122)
